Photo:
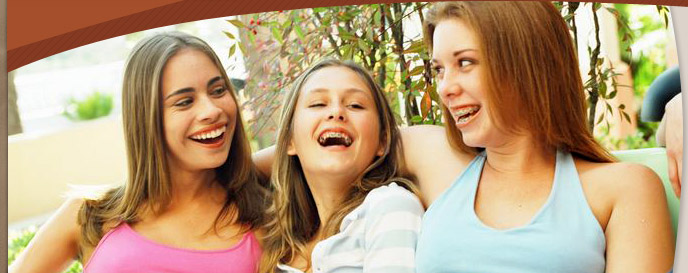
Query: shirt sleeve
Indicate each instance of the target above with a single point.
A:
(392, 226)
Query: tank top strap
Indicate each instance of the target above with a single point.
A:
(568, 185)
(569, 197)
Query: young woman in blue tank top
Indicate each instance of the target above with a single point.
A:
(518, 184)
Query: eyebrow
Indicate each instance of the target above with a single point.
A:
(189, 89)
(348, 90)
(456, 53)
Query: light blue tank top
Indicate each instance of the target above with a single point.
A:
(563, 236)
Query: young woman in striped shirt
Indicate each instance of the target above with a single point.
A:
(339, 202)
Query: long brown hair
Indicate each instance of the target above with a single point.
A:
(148, 181)
(294, 217)
(532, 72)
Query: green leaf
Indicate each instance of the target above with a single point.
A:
(229, 35)
(286, 23)
(232, 49)
(568, 17)
(237, 23)
(276, 34)
(625, 115)
(599, 120)
(603, 90)
(416, 71)
(345, 35)
(242, 48)
(609, 108)
(416, 119)
(377, 17)
(299, 32)
(612, 94)
(363, 46)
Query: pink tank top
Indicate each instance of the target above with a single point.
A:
(123, 250)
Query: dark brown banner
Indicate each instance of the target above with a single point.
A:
(38, 29)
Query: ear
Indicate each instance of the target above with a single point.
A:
(290, 148)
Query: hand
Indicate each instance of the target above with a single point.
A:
(673, 138)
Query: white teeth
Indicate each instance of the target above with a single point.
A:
(327, 135)
(212, 134)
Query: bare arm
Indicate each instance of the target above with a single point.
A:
(263, 160)
(431, 159)
(639, 234)
(56, 243)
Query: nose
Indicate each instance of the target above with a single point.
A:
(448, 87)
(337, 113)
(208, 111)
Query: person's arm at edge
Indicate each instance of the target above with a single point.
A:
(673, 140)
(56, 243)
(263, 160)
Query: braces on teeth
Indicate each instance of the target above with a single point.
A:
(459, 115)
(325, 136)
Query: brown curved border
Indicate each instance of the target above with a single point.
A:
(167, 14)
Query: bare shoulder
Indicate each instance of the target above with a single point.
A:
(622, 176)
(618, 180)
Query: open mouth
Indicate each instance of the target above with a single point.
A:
(464, 114)
(211, 137)
(332, 138)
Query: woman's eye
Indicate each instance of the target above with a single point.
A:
(183, 103)
(356, 106)
(218, 91)
(316, 105)
(465, 62)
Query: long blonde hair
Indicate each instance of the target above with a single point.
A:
(293, 215)
(148, 181)
(532, 72)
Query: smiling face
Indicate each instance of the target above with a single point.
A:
(335, 128)
(460, 69)
(199, 114)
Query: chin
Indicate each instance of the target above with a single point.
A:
(473, 141)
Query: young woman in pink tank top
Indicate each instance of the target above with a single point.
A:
(193, 196)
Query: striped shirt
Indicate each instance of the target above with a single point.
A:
(378, 236)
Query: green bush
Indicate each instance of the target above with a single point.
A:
(94, 106)
(17, 243)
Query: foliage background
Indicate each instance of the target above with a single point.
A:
(387, 40)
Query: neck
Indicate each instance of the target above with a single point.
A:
(520, 157)
(328, 192)
(191, 186)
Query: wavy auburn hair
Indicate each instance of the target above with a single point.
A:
(532, 72)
